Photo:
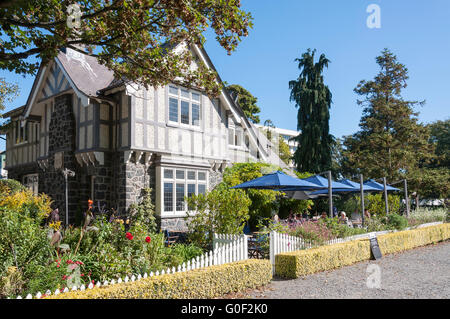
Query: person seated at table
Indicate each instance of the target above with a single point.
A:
(356, 216)
(343, 219)
(366, 214)
(324, 215)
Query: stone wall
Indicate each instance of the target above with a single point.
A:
(61, 139)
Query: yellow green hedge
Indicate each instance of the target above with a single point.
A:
(304, 262)
(207, 282)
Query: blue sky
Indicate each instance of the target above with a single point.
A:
(418, 32)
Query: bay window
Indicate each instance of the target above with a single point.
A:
(179, 183)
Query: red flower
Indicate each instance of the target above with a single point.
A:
(90, 203)
(148, 239)
(129, 236)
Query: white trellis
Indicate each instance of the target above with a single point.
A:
(229, 248)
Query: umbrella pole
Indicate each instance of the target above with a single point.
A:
(330, 194)
(406, 198)
(386, 205)
(362, 198)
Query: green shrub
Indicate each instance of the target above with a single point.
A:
(376, 204)
(396, 221)
(23, 242)
(10, 186)
(223, 211)
(209, 282)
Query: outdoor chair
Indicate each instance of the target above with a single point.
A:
(169, 239)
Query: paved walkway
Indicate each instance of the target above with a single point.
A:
(419, 273)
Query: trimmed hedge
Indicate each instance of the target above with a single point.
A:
(305, 262)
(201, 283)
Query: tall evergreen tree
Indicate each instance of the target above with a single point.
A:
(391, 142)
(313, 99)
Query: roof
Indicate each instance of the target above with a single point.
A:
(16, 111)
(86, 73)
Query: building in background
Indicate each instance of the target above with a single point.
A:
(287, 135)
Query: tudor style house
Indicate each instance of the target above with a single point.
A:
(119, 138)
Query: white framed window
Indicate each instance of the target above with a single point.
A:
(235, 136)
(178, 183)
(184, 106)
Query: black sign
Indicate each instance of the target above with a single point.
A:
(376, 252)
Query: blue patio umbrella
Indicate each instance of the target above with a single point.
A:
(322, 183)
(355, 187)
(277, 181)
(379, 186)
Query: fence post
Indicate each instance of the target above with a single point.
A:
(272, 249)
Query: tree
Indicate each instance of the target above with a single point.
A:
(390, 142)
(131, 37)
(284, 153)
(313, 99)
(440, 137)
(8, 92)
(246, 101)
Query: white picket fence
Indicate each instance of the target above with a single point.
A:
(281, 243)
(227, 249)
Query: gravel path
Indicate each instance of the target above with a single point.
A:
(419, 273)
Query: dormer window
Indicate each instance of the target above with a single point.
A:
(184, 106)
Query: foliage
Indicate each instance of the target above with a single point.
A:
(11, 283)
(8, 92)
(10, 186)
(246, 101)
(304, 262)
(397, 221)
(340, 230)
(425, 215)
(132, 38)
(144, 212)
(262, 201)
(23, 242)
(375, 203)
(430, 182)
(283, 151)
(222, 210)
(211, 282)
(385, 145)
(440, 137)
(313, 99)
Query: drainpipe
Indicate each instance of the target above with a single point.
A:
(67, 172)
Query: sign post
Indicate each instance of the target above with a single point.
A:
(376, 252)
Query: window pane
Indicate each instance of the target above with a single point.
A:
(180, 197)
(173, 110)
(168, 173)
(195, 114)
(184, 112)
(185, 93)
(201, 176)
(201, 189)
(190, 192)
(191, 175)
(231, 136)
(168, 197)
(180, 174)
(196, 97)
(173, 90)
